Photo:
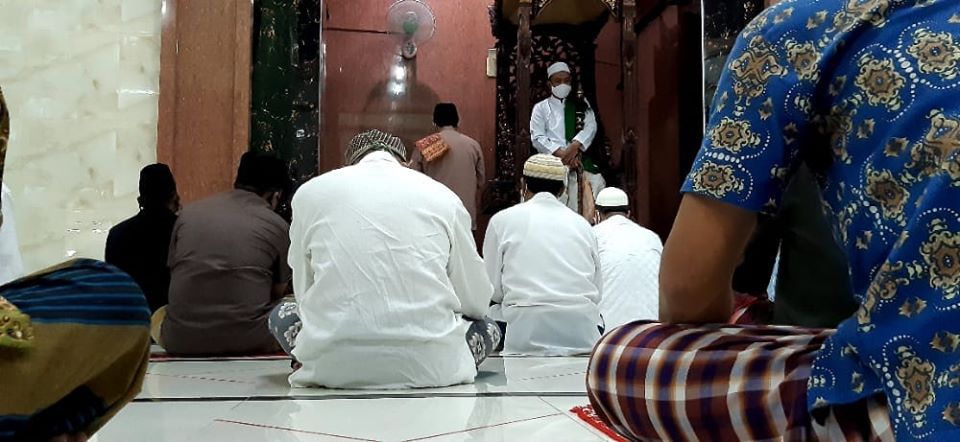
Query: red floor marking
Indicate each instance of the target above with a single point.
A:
(292, 430)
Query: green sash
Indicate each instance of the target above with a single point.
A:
(570, 130)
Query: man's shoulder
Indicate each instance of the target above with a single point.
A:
(794, 15)
(508, 213)
(123, 228)
(542, 104)
(461, 137)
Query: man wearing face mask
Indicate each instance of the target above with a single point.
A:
(228, 267)
(565, 126)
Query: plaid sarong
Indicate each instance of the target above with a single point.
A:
(651, 381)
(88, 354)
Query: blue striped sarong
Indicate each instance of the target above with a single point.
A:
(88, 354)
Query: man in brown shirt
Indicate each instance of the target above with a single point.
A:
(228, 266)
(461, 168)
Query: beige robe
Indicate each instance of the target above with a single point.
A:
(461, 169)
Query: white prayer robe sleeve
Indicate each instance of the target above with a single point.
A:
(11, 263)
(598, 272)
(539, 132)
(589, 132)
(494, 261)
(465, 269)
(298, 256)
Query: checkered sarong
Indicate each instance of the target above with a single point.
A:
(651, 381)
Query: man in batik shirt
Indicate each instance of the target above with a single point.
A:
(875, 84)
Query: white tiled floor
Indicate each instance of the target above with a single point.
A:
(514, 399)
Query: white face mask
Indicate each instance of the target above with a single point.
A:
(562, 91)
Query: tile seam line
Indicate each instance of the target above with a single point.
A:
(355, 397)
(485, 427)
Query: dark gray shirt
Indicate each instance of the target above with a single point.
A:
(226, 254)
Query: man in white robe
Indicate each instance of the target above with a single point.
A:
(630, 260)
(11, 263)
(545, 267)
(552, 135)
(390, 290)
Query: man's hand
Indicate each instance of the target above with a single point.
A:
(569, 155)
(573, 152)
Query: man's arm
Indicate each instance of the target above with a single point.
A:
(298, 256)
(416, 160)
(465, 268)
(111, 254)
(589, 132)
(493, 260)
(172, 250)
(480, 166)
(538, 131)
(597, 272)
(702, 252)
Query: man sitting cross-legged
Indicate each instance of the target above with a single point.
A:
(390, 291)
(871, 86)
(545, 267)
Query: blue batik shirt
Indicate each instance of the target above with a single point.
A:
(874, 86)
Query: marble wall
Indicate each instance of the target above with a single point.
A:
(81, 78)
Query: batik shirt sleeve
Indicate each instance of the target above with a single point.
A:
(762, 106)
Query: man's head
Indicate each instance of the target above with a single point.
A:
(265, 175)
(158, 190)
(445, 115)
(561, 79)
(372, 141)
(610, 202)
(544, 173)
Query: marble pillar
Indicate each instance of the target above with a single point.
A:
(81, 78)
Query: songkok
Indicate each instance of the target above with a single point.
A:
(612, 197)
(445, 114)
(547, 167)
(156, 183)
(557, 68)
(370, 141)
(263, 172)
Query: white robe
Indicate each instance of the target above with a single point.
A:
(544, 264)
(11, 263)
(630, 259)
(385, 269)
(548, 133)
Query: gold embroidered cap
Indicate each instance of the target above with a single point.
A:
(372, 140)
(547, 167)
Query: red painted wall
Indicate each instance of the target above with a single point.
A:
(361, 65)
(360, 71)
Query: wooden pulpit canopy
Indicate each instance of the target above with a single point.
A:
(569, 12)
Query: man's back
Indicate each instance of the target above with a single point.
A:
(384, 268)
(543, 260)
(140, 246)
(226, 254)
(461, 169)
(630, 264)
